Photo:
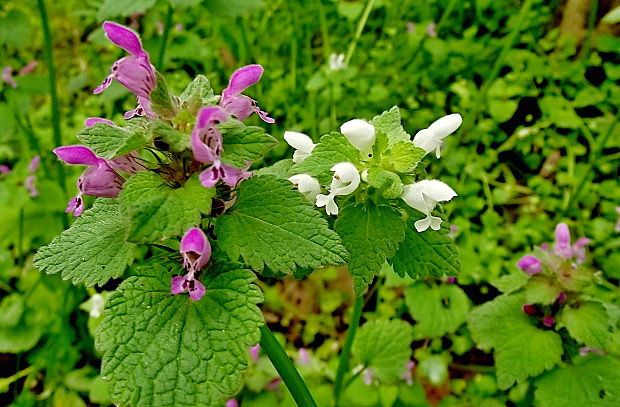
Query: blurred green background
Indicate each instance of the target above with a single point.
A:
(536, 82)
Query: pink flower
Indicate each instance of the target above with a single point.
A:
(99, 179)
(134, 71)
(196, 252)
(530, 265)
(254, 351)
(240, 105)
(7, 76)
(28, 68)
(548, 321)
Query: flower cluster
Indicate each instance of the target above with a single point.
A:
(347, 176)
(105, 177)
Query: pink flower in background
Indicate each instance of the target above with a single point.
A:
(4, 169)
(29, 183)
(548, 321)
(530, 264)
(196, 252)
(254, 351)
(134, 71)
(617, 227)
(28, 68)
(232, 403)
(304, 356)
(99, 179)
(408, 375)
(410, 27)
(7, 76)
(431, 30)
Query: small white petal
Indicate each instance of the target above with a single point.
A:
(446, 125)
(346, 179)
(307, 185)
(422, 224)
(425, 140)
(425, 194)
(328, 202)
(437, 190)
(360, 134)
(435, 222)
(301, 143)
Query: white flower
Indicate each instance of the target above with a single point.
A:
(302, 144)
(430, 139)
(360, 134)
(423, 196)
(346, 179)
(336, 62)
(307, 185)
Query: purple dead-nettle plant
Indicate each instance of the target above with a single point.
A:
(242, 106)
(135, 71)
(196, 252)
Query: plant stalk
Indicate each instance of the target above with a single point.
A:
(55, 105)
(358, 32)
(285, 368)
(343, 364)
(164, 39)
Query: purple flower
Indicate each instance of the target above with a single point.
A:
(134, 71)
(196, 251)
(529, 309)
(548, 321)
(368, 376)
(431, 30)
(99, 179)
(583, 351)
(254, 350)
(7, 76)
(408, 375)
(617, 227)
(29, 67)
(410, 27)
(530, 264)
(451, 280)
(4, 169)
(29, 183)
(579, 249)
(206, 142)
(34, 163)
(91, 121)
(232, 403)
(240, 105)
(561, 297)
(304, 356)
(562, 241)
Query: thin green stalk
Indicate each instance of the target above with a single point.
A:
(358, 32)
(343, 364)
(164, 39)
(587, 44)
(55, 105)
(285, 368)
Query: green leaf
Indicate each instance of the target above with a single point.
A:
(332, 149)
(389, 123)
(11, 310)
(93, 250)
(430, 253)
(281, 169)
(402, 157)
(111, 141)
(272, 225)
(594, 382)
(15, 29)
(541, 290)
(588, 323)
(157, 211)
(384, 347)
(612, 17)
(167, 138)
(116, 8)
(521, 350)
(163, 350)
(438, 309)
(385, 181)
(510, 282)
(199, 92)
(244, 143)
(371, 235)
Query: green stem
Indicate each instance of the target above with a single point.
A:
(591, 23)
(343, 365)
(55, 108)
(358, 32)
(164, 39)
(285, 368)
